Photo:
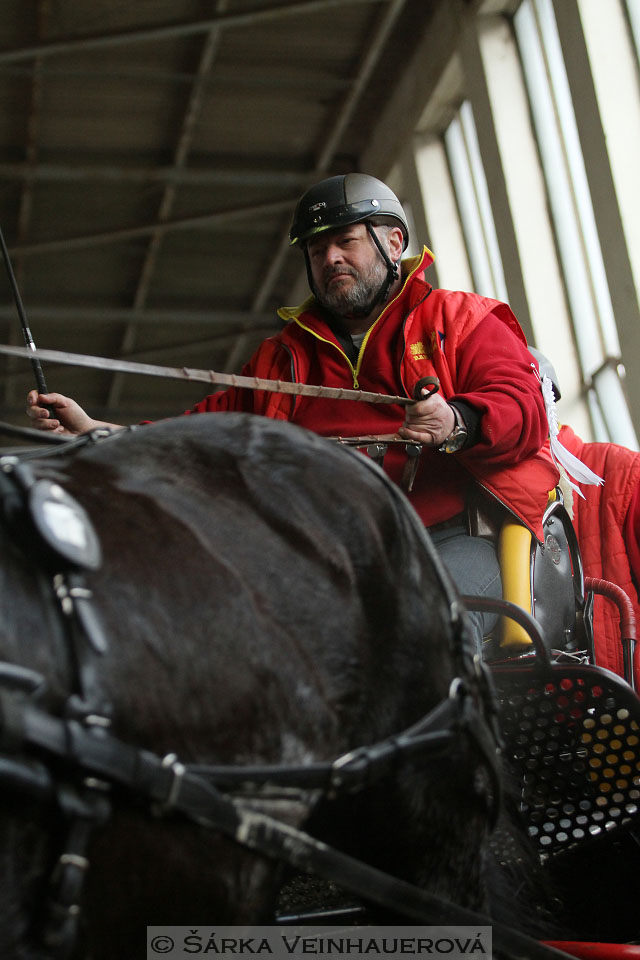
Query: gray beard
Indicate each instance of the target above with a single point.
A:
(358, 298)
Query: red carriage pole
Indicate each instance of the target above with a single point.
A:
(628, 633)
(596, 951)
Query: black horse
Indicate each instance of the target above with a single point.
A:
(267, 597)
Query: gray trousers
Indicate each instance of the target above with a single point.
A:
(472, 563)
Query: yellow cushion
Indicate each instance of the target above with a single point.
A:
(514, 555)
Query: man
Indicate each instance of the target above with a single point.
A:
(607, 524)
(373, 323)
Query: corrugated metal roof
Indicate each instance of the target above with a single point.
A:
(150, 157)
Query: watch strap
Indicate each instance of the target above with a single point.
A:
(458, 436)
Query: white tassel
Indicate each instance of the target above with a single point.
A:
(575, 468)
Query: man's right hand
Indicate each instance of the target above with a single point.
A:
(67, 416)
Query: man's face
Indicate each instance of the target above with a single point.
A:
(346, 267)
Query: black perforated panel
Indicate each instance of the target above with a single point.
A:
(572, 737)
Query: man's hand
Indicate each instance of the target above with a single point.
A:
(67, 416)
(428, 421)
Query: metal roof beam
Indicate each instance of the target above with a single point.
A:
(180, 176)
(239, 77)
(374, 50)
(241, 320)
(180, 156)
(400, 116)
(169, 31)
(201, 221)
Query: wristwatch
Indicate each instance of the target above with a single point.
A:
(458, 436)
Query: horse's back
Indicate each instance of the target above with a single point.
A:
(269, 597)
(231, 539)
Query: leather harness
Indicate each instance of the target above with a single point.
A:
(73, 761)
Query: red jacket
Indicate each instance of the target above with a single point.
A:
(604, 524)
(475, 347)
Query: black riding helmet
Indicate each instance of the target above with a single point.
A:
(340, 201)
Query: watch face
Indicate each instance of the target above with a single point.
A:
(455, 441)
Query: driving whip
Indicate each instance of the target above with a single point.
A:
(28, 339)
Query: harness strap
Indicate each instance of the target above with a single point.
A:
(84, 748)
(359, 768)
(355, 770)
(84, 809)
(175, 788)
(94, 750)
(206, 376)
(54, 531)
(29, 433)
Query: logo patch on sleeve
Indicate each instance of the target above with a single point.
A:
(417, 350)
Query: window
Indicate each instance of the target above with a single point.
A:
(470, 186)
(557, 225)
(444, 230)
(577, 237)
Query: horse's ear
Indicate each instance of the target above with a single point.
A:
(64, 525)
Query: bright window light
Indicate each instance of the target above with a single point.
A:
(526, 191)
(633, 13)
(445, 232)
(614, 67)
(470, 184)
(579, 248)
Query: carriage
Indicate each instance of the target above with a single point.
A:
(247, 735)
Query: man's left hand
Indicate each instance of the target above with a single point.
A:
(428, 421)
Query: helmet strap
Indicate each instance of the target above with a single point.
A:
(392, 268)
(307, 263)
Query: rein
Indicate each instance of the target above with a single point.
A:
(171, 787)
(205, 376)
(74, 761)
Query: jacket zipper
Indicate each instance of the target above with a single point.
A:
(355, 371)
